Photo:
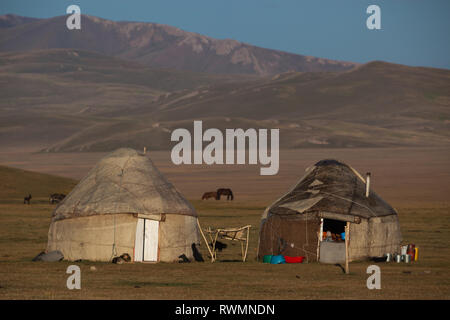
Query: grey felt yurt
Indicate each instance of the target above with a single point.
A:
(124, 205)
(330, 197)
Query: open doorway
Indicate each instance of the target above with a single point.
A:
(331, 246)
(333, 230)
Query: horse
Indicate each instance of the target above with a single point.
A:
(56, 197)
(208, 195)
(27, 199)
(225, 192)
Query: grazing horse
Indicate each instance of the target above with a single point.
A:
(56, 198)
(208, 195)
(27, 199)
(225, 192)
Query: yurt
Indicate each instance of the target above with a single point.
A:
(124, 205)
(330, 213)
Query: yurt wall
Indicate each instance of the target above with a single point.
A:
(385, 235)
(177, 234)
(92, 238)
(291, 236)
(374, 237)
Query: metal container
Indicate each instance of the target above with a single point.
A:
(388, 257)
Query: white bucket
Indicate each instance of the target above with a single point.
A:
(404, 250)
(388, 257)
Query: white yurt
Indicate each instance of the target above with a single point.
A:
(124, 205)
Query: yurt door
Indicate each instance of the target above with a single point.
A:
(146, 244)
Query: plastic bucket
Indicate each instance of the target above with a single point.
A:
(267, 258)
(277, 259)
(294, 259)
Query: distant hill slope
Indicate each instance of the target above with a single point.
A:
(156, 45)
(47, 95)
(17, 183)
(73, 100)
(377, 90)
(375, 105)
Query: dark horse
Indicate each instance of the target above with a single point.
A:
(27, 199)
(208, 195)
(225, 192)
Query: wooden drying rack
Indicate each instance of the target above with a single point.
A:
(241, 234)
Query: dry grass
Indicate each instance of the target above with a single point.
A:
(23, 231)
(414, 181)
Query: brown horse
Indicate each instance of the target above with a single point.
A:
(225, 192)
(208, 195)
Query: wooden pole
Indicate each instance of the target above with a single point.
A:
(246, 243)
(206, 242)
(319, 238)
(347, 240)
(367, 184)
(214, 244)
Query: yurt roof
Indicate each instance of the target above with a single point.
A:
(124, 181)
(330, 187)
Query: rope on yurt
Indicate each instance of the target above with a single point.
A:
(306, 236)
(353, 196)
(114, 247)
(271, 233)
(359, 204)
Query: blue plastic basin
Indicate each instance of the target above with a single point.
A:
(277, 259)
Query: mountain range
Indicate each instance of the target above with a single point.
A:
(155, 45)
(130, 84)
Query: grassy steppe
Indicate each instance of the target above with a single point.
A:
(23, 234)
(17, 183)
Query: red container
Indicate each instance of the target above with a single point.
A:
(411, 251)
(293, 259)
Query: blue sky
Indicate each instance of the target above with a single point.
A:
(414, 32)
